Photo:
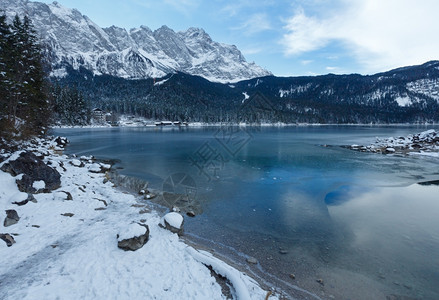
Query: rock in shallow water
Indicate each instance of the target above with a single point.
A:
(283, 251)
(252, 260)
(190, 213)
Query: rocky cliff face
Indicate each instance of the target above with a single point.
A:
(75, 40)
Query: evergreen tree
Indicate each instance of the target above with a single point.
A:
(70, 106)
(26, 95)
(5, 36)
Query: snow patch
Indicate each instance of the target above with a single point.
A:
(161, 82)
(18, 197)
(403, 101)
(39, 185)
(132, 230)
(424, 153)
(174, 219)
(76, 162)
(59, 73)
(105, 166)
(428, 87)
(95, 167)
(427, 133)
(246, 96)
(9, 191)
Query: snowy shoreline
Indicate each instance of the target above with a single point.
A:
(64, 243)
(141, 122)
(425, 143)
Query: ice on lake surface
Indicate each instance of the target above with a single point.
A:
(358, 221)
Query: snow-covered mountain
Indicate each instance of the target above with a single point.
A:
(76, 40)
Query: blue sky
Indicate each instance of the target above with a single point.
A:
(308, 37)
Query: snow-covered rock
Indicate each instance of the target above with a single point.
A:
(34, 171)
(76, 163)
(77, 41)
(11, 217)
(62, 195)
(18, 197)
(95, 168)
(8, 239)
(133, 237)
(174, 222)
(105, 167)
(22, 199)
(174, 219)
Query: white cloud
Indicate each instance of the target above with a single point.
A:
(256, 23)
(380, 34)
(304, 34)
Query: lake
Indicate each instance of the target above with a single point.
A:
(344, 224)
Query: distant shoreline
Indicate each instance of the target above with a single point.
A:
(223, 124)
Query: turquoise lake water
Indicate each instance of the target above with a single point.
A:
(296, 201)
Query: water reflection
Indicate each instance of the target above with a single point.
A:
(394, 236)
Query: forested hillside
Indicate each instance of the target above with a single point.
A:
(406, 95)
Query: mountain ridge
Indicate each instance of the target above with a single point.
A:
(138, 53)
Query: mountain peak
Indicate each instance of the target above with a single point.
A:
(77, 41)
(164, 28)
(198, 30)
(195, 33)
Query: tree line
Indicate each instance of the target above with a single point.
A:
(328, 99)
(29, 103)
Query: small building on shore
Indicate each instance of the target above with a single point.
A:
(98, 116)
(164, 123)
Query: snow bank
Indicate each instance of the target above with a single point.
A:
(68, 249)
(244, 286)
